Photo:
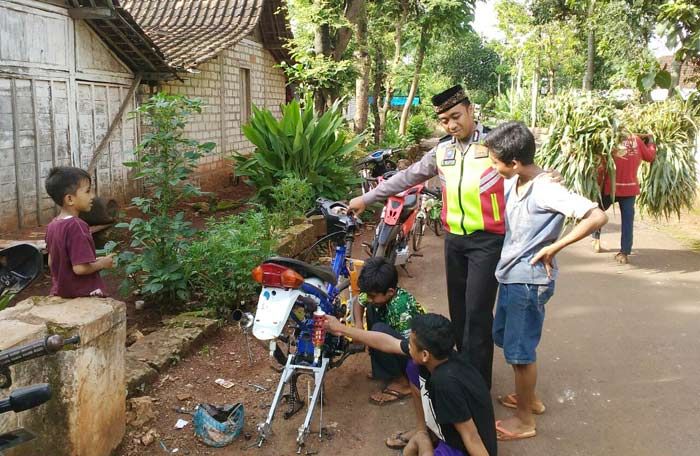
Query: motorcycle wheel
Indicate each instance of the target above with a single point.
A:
(418, 232)
(387, 251)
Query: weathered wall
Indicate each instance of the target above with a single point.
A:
(86, 414)
(218, 84)
(60, 88)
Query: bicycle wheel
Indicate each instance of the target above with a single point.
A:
(418, 232)
(437, 227)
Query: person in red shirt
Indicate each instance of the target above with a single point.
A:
(75, 269)
(627, 160)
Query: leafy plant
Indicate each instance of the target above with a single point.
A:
(584, 135)
(668, 185)
(302, 145)
(166, 159)
(292, 198)
(221, 258)
(418, 128)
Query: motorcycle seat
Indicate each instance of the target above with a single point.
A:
(306, 269)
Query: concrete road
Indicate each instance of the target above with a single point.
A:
(619, 361)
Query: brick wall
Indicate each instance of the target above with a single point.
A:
(220, 90)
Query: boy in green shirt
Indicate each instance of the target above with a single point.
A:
(389, 309)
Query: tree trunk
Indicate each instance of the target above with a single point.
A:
(534, 93)
(398, 36)
(518, 93)
(364, 65)
(590, 54)
(422, 46)
(552, 88)
(379, 75)
(675, 72)
(322, 46)
(354, 9)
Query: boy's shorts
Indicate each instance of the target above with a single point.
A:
(517, 326)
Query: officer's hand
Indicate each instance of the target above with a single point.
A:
(357, 205)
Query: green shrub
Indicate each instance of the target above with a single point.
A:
(419, 127)
(302, 145)
(292, 198)
(166, 159)
(222, 257)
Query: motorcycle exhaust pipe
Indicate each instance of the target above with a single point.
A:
(244, 319)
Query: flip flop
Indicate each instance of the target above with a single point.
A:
(396, 396)
(401, 440)
(503, 434)
(511, 401)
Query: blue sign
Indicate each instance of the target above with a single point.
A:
(397, 102)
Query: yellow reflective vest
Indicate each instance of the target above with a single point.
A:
(472, 191)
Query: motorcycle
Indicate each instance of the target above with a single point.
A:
(28, 397)
(395, 230)
(295, 297)
(375, 165)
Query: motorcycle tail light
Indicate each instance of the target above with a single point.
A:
(291, 279)
(277, 276)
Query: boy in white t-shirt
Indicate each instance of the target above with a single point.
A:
(536, 208)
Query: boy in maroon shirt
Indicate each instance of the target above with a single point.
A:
(72, 258)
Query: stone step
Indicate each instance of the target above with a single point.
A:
(153, 354)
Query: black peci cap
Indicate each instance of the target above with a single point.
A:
(451, 97)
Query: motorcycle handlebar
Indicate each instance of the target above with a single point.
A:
(25, 398)
(38, 348)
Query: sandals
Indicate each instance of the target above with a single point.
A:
(398, 440)
(395, 397)
(511, 401)
(503, 434)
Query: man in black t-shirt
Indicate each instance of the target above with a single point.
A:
(452, 398)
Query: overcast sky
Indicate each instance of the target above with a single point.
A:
(485, 24)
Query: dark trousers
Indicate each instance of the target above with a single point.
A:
(627, 215)
(386, 366)
(470, 262)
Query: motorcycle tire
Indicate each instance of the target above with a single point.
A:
(387, 251)
(418, 232)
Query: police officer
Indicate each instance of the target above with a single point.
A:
(473, 214)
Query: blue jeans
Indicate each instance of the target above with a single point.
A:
(627, 214)
(517, 326)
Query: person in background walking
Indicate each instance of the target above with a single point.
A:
(628, 157)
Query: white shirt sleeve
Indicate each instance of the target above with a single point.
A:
(553, 196)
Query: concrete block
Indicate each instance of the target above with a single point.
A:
(86, 415)
(296, 238)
